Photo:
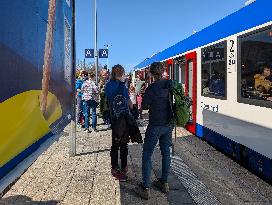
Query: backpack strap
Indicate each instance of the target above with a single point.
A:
(170, 87)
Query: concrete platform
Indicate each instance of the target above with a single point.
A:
(199, 175)
(56, 178)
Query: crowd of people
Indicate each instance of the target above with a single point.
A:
(121, 103)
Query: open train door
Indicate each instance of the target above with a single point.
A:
(169, 68)
(191, 89)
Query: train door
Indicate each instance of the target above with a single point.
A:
(190, 88)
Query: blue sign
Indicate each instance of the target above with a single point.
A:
(103, 53)
(89, 53)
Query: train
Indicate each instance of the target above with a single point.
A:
(36, 75)
(226, 69)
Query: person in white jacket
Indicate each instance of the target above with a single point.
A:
(90, 101)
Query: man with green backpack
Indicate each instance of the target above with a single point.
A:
(164, 113)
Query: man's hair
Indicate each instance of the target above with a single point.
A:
(266, 66)
(156, 69)
(117, 71)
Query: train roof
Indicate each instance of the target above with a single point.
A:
(257, 13)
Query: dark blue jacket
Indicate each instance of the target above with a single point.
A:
(156, 99)
(111, 89)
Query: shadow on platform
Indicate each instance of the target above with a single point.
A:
(24, 200)
(177, 195)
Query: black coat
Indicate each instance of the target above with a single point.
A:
(125, 129)
(156, 99)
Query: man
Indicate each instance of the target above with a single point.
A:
(90, 97)
(157, 100)
(263, 82)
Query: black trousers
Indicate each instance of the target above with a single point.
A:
(119, 142)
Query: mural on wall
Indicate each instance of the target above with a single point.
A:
(35, 75)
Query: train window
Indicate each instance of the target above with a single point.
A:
(179, 65)
(255, 68)
(170, 71)
(213, 74)
(176, 72)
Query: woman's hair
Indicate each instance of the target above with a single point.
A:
(117, 71)
(91, 74)
(156, 69)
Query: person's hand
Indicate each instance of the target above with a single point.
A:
(270, 99)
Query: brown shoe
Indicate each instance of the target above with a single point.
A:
(163, 186)
(142, 191)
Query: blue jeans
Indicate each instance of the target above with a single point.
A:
(87, 105)
(153, 134)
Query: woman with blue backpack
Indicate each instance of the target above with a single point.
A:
(119, 104)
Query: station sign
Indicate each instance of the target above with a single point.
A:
(103, 53)
(89, 53)
(213, 54)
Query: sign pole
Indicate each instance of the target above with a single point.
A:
(95, 42)
(107, 46)
(72, 133)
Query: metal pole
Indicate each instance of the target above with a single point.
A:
(108, 62)
(72, 133)
(95, 42)
(108, 46)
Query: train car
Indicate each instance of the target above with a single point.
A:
(226, 69)
(36, 75)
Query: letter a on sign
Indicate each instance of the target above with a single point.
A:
(103, 53)
(89, 53)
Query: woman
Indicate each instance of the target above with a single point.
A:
(115, 89)
(90, 101)
(132, 95)
(79, 82)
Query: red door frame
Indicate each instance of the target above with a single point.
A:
(191, 127)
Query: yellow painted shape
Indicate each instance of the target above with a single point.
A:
(22, 122)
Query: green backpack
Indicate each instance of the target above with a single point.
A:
(181, 106)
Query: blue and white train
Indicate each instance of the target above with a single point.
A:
(227, 70)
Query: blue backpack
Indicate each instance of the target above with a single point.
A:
(120, 103)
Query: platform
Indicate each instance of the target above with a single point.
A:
(199, 175)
